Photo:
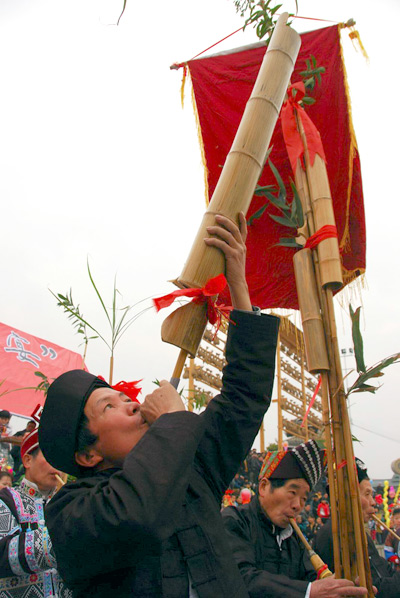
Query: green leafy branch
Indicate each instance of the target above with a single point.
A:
(365, 374)
(262, 15)
(42, 386)
(292, 214)
(311, 76)
(118, 327)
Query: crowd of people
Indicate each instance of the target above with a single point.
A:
(142, 515)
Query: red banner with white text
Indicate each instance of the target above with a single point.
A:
(21, 355)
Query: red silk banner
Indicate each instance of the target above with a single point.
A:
(222, 85)
(21, 355)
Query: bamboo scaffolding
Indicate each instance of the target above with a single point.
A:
(350, 545)
(235, 189)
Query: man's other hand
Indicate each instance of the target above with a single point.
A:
(164, 399)
(331, 587)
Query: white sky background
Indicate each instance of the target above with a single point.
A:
(98, 159)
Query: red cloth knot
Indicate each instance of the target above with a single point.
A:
(130, 389)
(207, 294)
(328, 231)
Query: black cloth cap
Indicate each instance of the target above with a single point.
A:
(62, 411)
(311, 461)
(305, 461)
(362, 473)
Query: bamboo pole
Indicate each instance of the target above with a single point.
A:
(320, 567)
(191, 384)
(262, 439)
(354, 553)
(304, 394)
(331, 476)
(235, 189)
(389, 529)
(279, 384)
(110, 376)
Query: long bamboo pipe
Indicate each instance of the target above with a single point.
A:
(320, 567)
(375, 518)
(235, 189)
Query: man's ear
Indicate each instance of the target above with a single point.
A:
(26, 460)
(263, 486)
(89, 458)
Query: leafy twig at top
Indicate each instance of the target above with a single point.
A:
(262, 15)
(292, 214)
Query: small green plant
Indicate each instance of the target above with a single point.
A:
(261, 15)
(292, 214)
(365, 374)
(311, 76)
(118, 327)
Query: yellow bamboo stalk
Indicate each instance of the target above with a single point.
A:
(315, 559)
(239, 176)
(279, 385)
(191, 384)
(389, 529)
(313, 328)
(331, 474)
(262, 438)
(110, 376)
(304, 394)
(353, 546)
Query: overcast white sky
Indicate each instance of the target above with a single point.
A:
(98, 159)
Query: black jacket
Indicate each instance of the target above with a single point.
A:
(268, 570)
(139, 530)
(383, 576)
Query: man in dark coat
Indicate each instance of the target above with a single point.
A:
(271, 558)
(143, 519)
(384, 578)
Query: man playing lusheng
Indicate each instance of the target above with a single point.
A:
(143, 519)
(271, 558)
(384, 578)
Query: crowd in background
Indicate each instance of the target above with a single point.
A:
(241, 490)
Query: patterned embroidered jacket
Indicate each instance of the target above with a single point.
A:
(27, 561)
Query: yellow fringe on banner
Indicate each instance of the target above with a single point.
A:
(185, 68)
(355, 36)
(345, 240)
(201, 144)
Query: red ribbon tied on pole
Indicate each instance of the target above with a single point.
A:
(312, 401)
(325, 232)
(213, 287)
(291, 135)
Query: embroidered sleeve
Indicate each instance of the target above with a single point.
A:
(31, 552)
(22, 552)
